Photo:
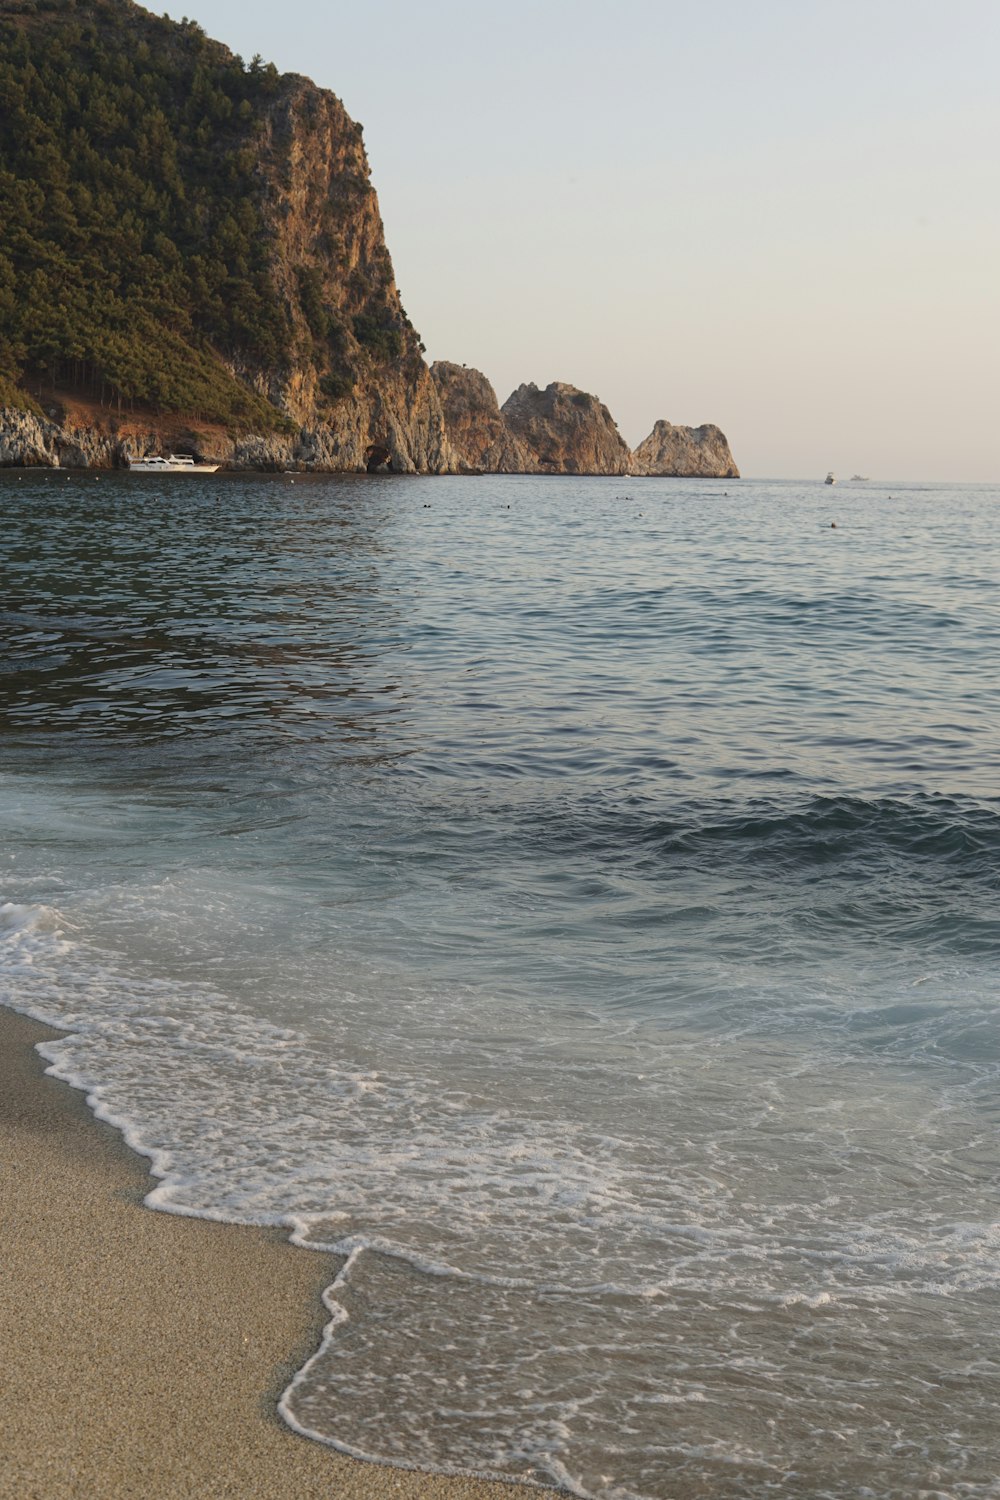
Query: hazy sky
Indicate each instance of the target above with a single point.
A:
(781, 216)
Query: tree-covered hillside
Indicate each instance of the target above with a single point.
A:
(134, 258)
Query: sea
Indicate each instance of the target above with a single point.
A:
(575, 904)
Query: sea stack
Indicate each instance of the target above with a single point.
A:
(566, 430)
(685, 453)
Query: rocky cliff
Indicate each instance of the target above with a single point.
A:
(685, 452)
(562, 430)
(479, 436)
(566, 431)
(192, 252)
(192, 258)
(322, 216)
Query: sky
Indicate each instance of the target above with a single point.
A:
(781, 216)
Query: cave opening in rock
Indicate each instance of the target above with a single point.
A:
(377, 458)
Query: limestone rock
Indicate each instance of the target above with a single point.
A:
(25, 440)
(686, 452)
(566, 430)
(29, 441)
(323, 219)
(479, 436)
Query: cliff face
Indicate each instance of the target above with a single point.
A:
(566, 431)
(192, 258)
(326, 236)
(686, 452)
(96, 440)
(479, 436)
(228, 273)
(85, 438)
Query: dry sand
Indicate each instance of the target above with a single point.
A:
(138, 1353)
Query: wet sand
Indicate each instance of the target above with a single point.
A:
(138, 1356)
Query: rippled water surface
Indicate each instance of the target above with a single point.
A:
(575, 902)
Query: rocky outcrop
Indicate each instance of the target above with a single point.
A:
(31, 441)
(103, 442)
(480, 438)
(685, 452)
(323, 219)
(26, 441)
(341, 374)
(461, 430)
(566, 431)
(247, 310)
(562, 430)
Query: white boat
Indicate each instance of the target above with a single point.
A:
(830, 478)
(860, 478)
(174, 463)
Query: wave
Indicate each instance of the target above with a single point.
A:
(517, 1272)
(812, 833)
(764, 877)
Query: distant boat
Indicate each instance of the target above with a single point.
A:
(860, 478)
(830, 478)
(174, 463)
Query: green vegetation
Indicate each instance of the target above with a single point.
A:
(314, 310)
(133, 257)
(336, 387)
(378, 336)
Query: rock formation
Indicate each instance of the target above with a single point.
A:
(193, 260)
(317, 193)
(88, 438)
(329, 369)
(480, 438)
(562, 430)
(685, 452)
(566, 431)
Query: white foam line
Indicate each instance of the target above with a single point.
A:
(427, 1267)
(355, 1247)
(338, 1316)
(158, 1158)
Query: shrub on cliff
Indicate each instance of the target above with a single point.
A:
(336, 387)
(383, 341)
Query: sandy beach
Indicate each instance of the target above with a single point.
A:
(139, 1357)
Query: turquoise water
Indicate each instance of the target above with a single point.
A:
(574, 902)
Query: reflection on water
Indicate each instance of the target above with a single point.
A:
(578, 904)
(200, 615)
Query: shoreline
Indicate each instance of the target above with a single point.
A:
(306, 471)
(138, 1354)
